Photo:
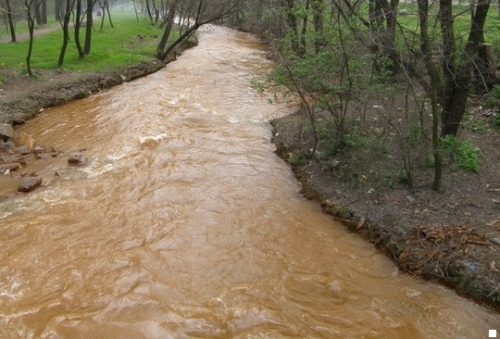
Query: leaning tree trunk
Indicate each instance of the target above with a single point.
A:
(168, 29)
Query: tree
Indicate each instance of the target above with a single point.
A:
(10, 19)
(169, 21)
(65, 27)
(90, 26)
(204, 13)
(78, 23)
(457, 74)
(425, 46)
(32, 6)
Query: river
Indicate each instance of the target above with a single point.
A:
(186, 224)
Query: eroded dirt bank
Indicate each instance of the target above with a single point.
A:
(451, 238)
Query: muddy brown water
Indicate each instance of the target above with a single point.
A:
(186, 224)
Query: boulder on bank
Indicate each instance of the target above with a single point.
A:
(7, 132)
(28, 184)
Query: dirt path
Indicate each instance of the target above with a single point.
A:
(25, 35)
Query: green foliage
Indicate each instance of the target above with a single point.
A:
(257, 85)
(496, 120)
(461, 153)
(493, 99)
(128, 43)
(296, 159)
(478, 126)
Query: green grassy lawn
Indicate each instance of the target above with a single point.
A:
(22, 27)
(128, 42)
(461, 24)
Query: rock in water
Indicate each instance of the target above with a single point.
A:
(7, 132)
(23, 150)
(24, 139)
(28, 184)
(77, 159)
(9, 167)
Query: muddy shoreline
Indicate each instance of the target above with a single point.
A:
(463, 265)
(17, 108)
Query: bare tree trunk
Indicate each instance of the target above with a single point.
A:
(90, 24)
(148, 7)
(318, 8)
(425, 46)
(135, 10)
(57, 10)
(292, 22)
(65, 28)
(109, 13)
(32, 7)
(458, 79)
(38, 13)
(78, 22)
(31, 29)
(168, 28)
(303, 43)
(43, 12)
(12, 30)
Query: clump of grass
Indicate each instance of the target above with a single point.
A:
(461, 153)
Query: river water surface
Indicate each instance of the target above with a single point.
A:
(186, 224)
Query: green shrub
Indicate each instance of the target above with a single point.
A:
(496, 120)
(493, 99)
(461, 153)
(296, 159)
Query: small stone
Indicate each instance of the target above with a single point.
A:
(77, 159)
(371, 191)
(28, 184)
(38, 149)
(9, 167)
(410, 198)
(361, 223)
(496, 240)
(7, 132)
(23, 150)
(43, 156)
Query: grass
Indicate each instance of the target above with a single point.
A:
(22, 27)
(461, 22)
(128, 42)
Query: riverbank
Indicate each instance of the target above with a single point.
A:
(21, 98)
(451, 238)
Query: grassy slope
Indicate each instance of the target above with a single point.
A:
(128, 42)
